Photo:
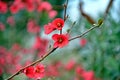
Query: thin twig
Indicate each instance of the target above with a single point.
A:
(108, 8)
(79, 36)
(65, 9)
(88, 17)
(35, 62)
(69, 30)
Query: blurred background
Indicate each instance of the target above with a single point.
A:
(95, 56)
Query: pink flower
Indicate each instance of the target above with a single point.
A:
(3, 7)
(52, 13)
(79, 70)
(11, 21)
(36, 72)
(30, 6)
(40, 45)
(49, 28)
(61, 40)
(83, 42)
(44, 6)
(70, 65)
(39, 71)
(59, 23)
(52, 71)
(29, 72)
(88, 75)
(2, 27)
(32, 27)
(14, 8)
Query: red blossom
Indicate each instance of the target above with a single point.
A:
(49, 28)
(3, 7)
(79, 70)
(40, 45)
(14, 8)
(39, 71)
(83, 42)
(44, 6)
(29, 72)
(11, 21)
(70, 65)
(32, 27)
(52, 14)
(2, 27)
(61, 40)
(36, 72)
(59, 23)
(88, 75)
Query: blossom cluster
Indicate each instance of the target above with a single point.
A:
(36, 72)
(60, 69)
(29, 5)
(61, 40)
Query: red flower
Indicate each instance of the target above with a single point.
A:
(14, 8)
(29, 72)
(44, 6)
(70, 65)
(52, 14)
(60, 40)
(40, 45)
(79, 70)
(11, 21)
(88, 75)
(39, 71)
(32, 27)
(2, 27)
(59, 23)
(35, 72)
(49, 28)
(83, 42)
(3, 7)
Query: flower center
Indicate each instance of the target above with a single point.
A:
(59, 25)
(37, 71)
(60, 40)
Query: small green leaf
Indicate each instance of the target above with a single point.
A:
(100, 22)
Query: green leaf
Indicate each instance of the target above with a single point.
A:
(100, 22)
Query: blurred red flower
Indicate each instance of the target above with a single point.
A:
(3, 7)
(2, 27)
(36, 72)
(83, 42)
(39, 71)
(59, 23)
(49, 28)
(11, 21)
(70, 65)
(88, 75)
(32, 27)
(44, 6)
(61, 40)
(52, 14)
(29, 72)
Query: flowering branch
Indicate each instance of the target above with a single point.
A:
(49, 52)
(60, 40)
(35, 62)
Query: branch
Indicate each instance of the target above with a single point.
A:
(89, 19)
(79, 36)
(65, 10)
(108, 8)
(35, 62)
